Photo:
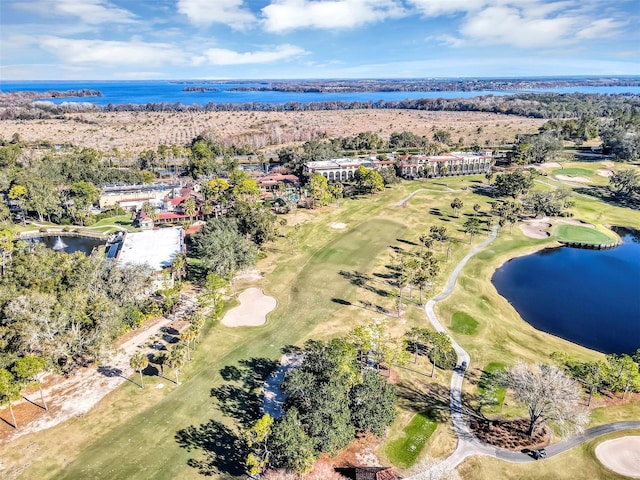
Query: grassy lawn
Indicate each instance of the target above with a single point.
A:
(579, 462)
(335, 280)
(405, 449)
(578, 234)
(464, 324)
(489, 389)
(574, 172)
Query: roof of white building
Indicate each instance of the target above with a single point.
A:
(157, 248)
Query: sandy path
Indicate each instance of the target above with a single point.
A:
(272, 396)
(622, 455)
(75, 395)
(252, 311)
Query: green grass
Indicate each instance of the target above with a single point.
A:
(131, 432)
(573, 172)
(488, 388)
(464, 324)
(578, 234)
(404, 450)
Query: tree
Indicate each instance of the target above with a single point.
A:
(548, 394)
(513, 184)
(368, 180)
(27, 369)
(456, 205)
(489, 176)
(625, 183)
(9, 391)
(425, 241)
(188, 336)
(222, 249)
(139, 362)
(214, 190)
(476, 209)
(372, 404)
(318, 188)
(177, 359)
(7, 246)
(211, 293)
(290, 447)
(428, 269)
(178, 265)
(438, 233)
(472, 227)
(257, 441)
(255, 221)
(189, 207)
(441, 352)
(442, 136)
(336, 190)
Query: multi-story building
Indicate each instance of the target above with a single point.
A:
(344, 169)
(454, 163)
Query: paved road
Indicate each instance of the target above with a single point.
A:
(469, 445)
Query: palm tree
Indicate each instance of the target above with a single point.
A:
(177, 359)
(178, 265)
(189, 207)
(139, 362)
(161, 359)
(456, 205)
(187, 337)
(472, 227)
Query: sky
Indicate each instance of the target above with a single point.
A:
(321, 39)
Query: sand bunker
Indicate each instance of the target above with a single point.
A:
(621, 455)
(252, 311)
(338, 225)
(567, 178)
(550, 165)
(535, 228)
(604, 173)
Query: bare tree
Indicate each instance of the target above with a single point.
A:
(549, 395)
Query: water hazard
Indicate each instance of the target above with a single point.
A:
(589, 297)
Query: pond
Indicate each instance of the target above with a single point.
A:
(71, 244)
(589, 297)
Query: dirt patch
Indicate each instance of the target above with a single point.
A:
(509, 434)
(621, 455)
(536, 228)
(338, 225)
(126, 134)
(251, 274)
(252, 311)
(567, 178)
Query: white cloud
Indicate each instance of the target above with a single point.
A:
(223, 56)
(434, 8)
(104, 52)
(207, 12)
(519, 28)
(603, 28)
(92, 12)
(287, 15)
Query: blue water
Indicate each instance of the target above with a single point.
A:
(589, 297)
(156, 91)
(72, 244)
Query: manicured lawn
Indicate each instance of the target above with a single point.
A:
(489, 388)
(573, 172)
(578, 234)
(404, 450)
(133, 433)
(464, 324)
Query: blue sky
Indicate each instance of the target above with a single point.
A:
(178, 39)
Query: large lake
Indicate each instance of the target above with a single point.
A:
(589, 297)
(162, 91)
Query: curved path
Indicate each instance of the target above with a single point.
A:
(468, 444)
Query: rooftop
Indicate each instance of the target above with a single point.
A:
(157, 248)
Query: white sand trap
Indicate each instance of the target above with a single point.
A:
(567, 178)
(535, 228)
(550, 165)
(621, 455)
(338, 225)
(252, 311)
(604, 173)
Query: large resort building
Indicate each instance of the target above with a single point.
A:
(407, 166)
